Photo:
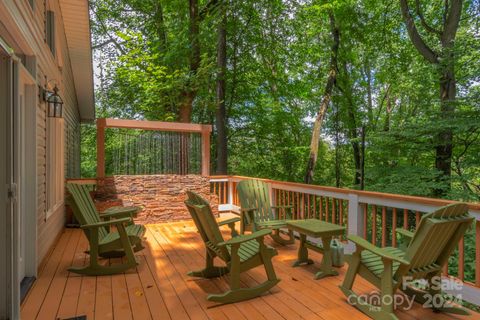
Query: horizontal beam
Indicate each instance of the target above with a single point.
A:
(153, 125)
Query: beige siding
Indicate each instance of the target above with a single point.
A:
(59, 69)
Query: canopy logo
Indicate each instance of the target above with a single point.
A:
(428, 294)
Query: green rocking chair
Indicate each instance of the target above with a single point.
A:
(240, 253)
(257, 212)
(423, 257)
(126, 240)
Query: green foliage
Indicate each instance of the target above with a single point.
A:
(278, 54)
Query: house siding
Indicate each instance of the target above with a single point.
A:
(56, 68)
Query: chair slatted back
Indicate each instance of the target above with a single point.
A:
(195, 199)
(84, 208)
(254, 194)
(436, 237)
(204, 219)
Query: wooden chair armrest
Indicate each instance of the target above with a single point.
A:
(405, 238)
(120, 212)
(287, 210)
(231, 224)
(364, 244)
(119, 215)
(244, 238)
(405, 233)
(106, 223)
(228, 221)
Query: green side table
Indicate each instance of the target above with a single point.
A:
(316, 229)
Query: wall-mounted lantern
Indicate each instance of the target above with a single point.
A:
(54, 103)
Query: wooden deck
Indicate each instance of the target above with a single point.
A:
(160, 288)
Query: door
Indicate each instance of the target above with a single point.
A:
(4, 292)
(9, 290)
(25, 115)
(20, 168)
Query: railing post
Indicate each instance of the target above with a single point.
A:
(100, 148)
(230, 191)
(206, 150)
(355, 220)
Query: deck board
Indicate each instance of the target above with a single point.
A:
(160, 288)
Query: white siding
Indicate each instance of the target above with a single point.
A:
(17, 16)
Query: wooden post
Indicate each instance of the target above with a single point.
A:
(461, 258)
(477, 253)
(101, 148)
(355, 220)
(374, 224)
(230, 191)
(394, 228)
(384, 226)
(205, 152)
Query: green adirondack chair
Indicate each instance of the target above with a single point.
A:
(240, 253)
(126, 240)
(257, 213)
(426, 252)
(197, 199)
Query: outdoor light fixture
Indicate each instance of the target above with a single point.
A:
(54, 103)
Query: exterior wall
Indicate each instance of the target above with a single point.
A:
(51, 69)
(160, 196)
(49, 228)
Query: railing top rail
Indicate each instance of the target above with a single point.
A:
(360, 193)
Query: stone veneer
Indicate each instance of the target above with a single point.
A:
(160, 196)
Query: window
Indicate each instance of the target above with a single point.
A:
(50, 30)
(55, 164)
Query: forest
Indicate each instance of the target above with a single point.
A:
(378, 95)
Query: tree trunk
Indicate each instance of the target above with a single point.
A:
(345, 86)
(362, 159)
(161, 32)
(190, 92)
(444, 146)
(322, 111)
(337, 150)
(221, 115)
(444, 61)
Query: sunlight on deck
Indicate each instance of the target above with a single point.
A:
(160, 289)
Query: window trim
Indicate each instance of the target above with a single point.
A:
(55, 166)
(50, 31)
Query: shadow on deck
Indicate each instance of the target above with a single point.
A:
(160, 289)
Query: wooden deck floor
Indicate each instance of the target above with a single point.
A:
(160, 289)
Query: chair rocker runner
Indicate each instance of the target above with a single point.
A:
(241, 253)
(424, 255)
(257, 212)
(126, 240)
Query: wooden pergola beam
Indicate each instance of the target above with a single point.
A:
(154, 125)
(103, 123)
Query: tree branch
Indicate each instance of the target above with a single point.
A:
(423, 21)
(105, 31)
(417, 40)
(452, 21)
(103, 44)
(331, 80)
(209, 7)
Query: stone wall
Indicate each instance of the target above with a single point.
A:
(160, 196)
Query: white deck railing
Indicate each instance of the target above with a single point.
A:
(372, 215)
